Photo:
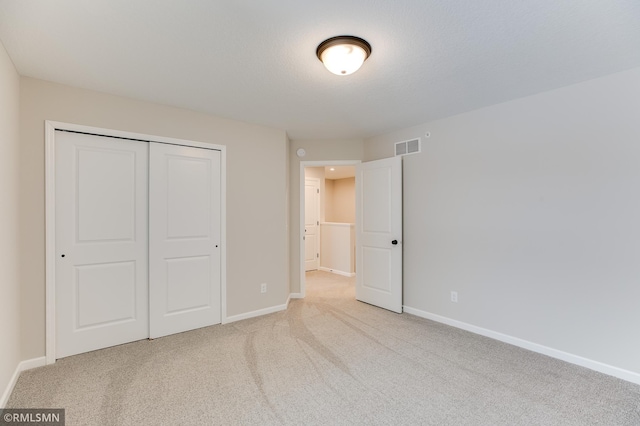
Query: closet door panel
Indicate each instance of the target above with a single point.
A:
(101, 242)
(184, 241)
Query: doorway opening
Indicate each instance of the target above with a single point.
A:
(327, 218)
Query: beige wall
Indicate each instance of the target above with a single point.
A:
(257, 161)
(317, 150)
(530, 211)
(341, 202)
(328, 206)
(9, 219)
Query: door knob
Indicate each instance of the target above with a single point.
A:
(394, 242)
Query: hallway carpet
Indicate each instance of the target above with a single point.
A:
(327, 360)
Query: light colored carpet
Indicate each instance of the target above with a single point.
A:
(327, 360)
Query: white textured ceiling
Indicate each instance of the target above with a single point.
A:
(255, 61)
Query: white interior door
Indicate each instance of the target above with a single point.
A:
(101, 242)
(311, 224)
(379, 233)
(184, 239)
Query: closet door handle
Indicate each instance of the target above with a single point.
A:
(394, 242)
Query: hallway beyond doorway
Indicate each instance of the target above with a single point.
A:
(325, 285)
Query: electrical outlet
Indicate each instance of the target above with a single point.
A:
(454, 296)
(263, 288)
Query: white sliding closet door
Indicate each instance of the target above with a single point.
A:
(184, 239)
(101, 242)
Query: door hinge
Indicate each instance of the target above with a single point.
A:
(318, 190)
(317, 222)
(317, 254)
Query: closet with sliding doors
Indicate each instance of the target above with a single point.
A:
(137, 239)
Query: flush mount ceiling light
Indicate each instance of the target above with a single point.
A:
(343, 55)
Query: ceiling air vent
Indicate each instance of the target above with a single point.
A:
(408, 147)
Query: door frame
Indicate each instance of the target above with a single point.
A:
(303, 165)
(50, 219)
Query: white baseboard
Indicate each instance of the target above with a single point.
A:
(600, 367)
(257, 313)
(335, 271)
(296, 296)
(24, 365)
